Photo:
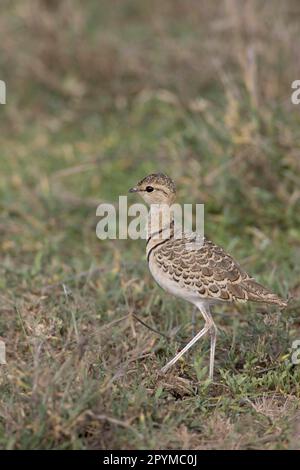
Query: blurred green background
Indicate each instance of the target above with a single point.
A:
(100, 93)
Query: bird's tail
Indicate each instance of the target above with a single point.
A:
(258, 293)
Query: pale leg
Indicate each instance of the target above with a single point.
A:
(213, 339)
(186, 348)
(209, 326)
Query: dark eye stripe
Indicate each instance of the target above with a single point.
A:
(165, 192)
(148, 190)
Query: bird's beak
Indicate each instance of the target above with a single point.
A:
(133, 190)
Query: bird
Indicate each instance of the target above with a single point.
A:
(203, 274)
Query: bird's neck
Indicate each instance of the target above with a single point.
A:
(160, 225)
(160, 220)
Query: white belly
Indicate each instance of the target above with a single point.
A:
(172, 286)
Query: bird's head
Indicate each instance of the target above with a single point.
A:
(156, 188)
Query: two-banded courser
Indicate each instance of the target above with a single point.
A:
(201, 273)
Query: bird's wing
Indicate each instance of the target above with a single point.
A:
(206, 268)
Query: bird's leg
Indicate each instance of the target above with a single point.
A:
(213, 339)
(187, 347)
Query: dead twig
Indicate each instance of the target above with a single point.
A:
(150, 327)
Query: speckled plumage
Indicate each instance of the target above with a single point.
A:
(158, 179)
(209, 271)
(195, 270)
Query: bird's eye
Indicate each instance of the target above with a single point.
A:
(149, 189)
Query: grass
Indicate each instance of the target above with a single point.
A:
(169, 92)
